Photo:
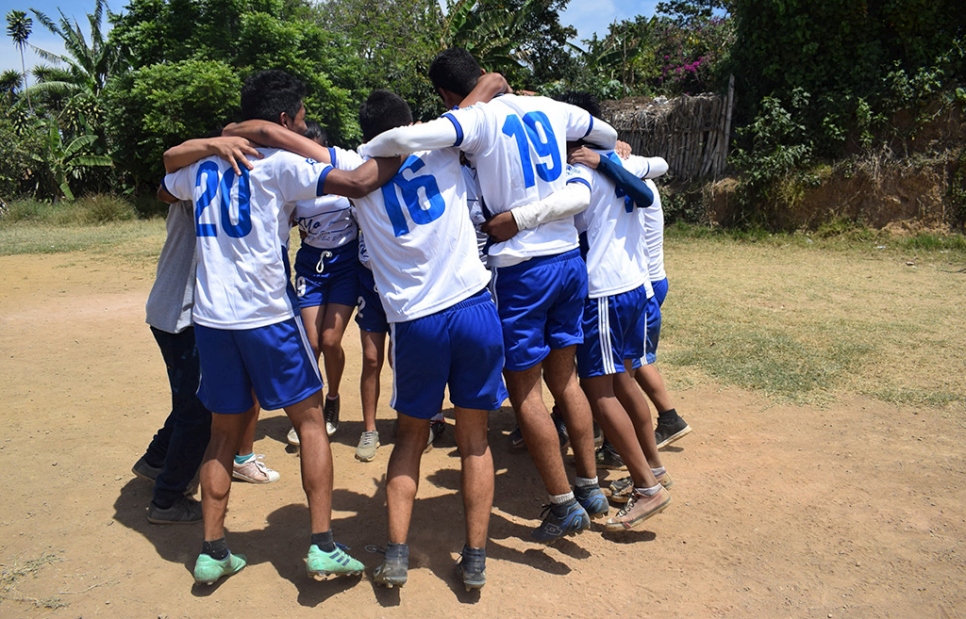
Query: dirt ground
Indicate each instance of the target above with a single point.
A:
(852, 510)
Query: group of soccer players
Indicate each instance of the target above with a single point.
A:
(563, 295)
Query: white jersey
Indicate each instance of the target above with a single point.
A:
(654, 235)
(474, 202)
(419, 238)
(242, 225)
(518, 147)
(326, 220)
(617, 254)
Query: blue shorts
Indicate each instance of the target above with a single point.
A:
(613, 332)
(459, 347)
(541, 304)
(370, 316)
(276, 361)
(325, 276)
(653, 316)
(660, 290)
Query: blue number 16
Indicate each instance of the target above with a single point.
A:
(410, 188)
(535, 130)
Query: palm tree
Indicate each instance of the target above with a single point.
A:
(90, 65)
(19, 27)
(491, 34)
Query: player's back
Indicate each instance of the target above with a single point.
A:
(518, 147)
(241, 224)
(419, 237)
(617, 253)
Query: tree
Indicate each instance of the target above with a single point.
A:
(19, 27)
(67, 161)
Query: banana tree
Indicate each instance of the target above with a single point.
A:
(67, 161)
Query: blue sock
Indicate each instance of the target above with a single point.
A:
(243, 459)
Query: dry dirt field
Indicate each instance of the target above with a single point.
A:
(851, 509)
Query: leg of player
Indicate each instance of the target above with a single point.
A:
(618, 427)
(561, 377)
(215, 560)
(311, 317)
(402, 481)
(674, 427)
(477, 481)
(373, 357)
(325, 558)
(635, 404)
(333, 320)
(564, 515)
(248, 466)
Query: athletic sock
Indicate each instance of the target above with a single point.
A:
(659, 471)
(586, 482)
(667, 417)
(244, 459)
(649, 491)
(324, 541)
(397, 551)
(216, 549)
(561, 499)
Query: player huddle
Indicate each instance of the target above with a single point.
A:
(569, 296)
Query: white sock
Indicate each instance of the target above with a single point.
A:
(584, 482)
(560, 499)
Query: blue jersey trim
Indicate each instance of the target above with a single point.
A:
(168, 191)
(582, 181)
(459, 129)
(590, 128)
(320, 186)
(332, 156)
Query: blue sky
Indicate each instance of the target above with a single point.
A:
(588, 16)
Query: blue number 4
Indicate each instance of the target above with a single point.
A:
(410, 189)
(209, 177)
(535, 131)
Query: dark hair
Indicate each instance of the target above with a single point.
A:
(382, 111)
(456, 70)
(314, 131)
(581, 99)
(266, 94)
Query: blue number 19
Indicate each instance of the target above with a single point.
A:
(535, 131)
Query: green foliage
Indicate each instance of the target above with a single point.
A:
(19, 27)
(957, 191)
(96, 209)
(59, 163)
(158, 106)
(17, 145)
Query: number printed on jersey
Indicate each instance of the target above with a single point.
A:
(233, 213)
(418, 193)
(535, 134)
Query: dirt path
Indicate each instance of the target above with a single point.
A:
(856, 510)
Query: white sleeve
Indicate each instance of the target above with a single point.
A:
(582, 126)
(567, 202)
(436, 134)
(299, 178)
(347, 160)
(646, 167)
(181, 183)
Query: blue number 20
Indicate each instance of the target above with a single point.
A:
(410, 188)
(535, 130)
(209, 178)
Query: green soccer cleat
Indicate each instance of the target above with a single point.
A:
(209, 569)
(320, 564)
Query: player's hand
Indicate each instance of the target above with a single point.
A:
(585, 156)
(502, 227)
(623, 149)
(235, 151)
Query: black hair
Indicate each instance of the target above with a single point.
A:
(382, 111)
(581, 99)
(456, 70)
(314, 131)
(266, 94)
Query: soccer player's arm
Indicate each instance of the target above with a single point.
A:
(567, 202)
(582, 126)
(630, 182)
(234, 150)
(275, 135)
(436, 134)
(177, 185)
(363, 180)
(488, 86)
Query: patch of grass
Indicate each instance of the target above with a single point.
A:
(96, 209)
(10, 575)
(135, 238)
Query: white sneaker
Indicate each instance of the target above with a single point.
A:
(293, 438)
(254, 471)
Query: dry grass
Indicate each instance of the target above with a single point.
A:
(804, 323)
